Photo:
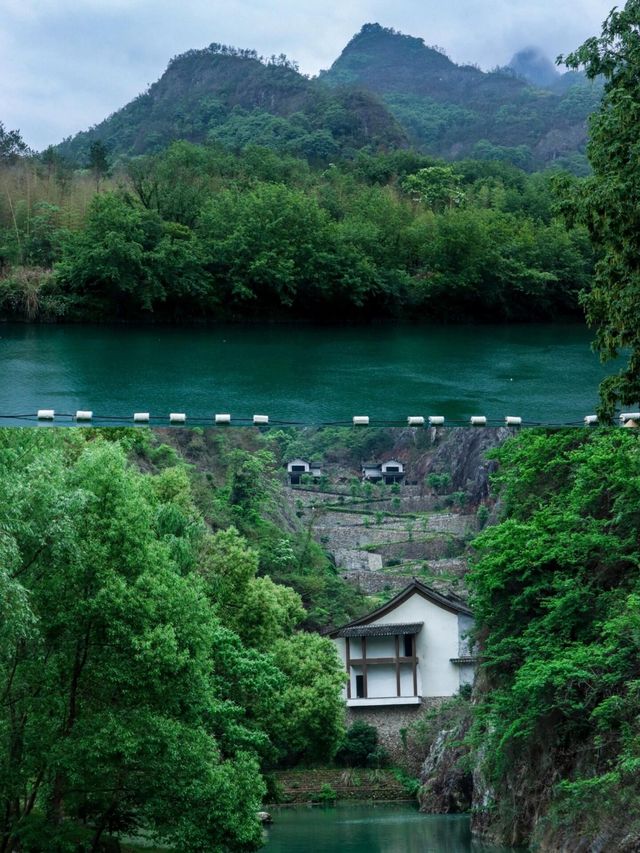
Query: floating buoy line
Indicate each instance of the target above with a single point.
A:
(86, 417)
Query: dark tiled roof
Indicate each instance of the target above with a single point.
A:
(389, 630)
(447, 602)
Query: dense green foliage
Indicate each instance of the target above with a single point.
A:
(460, 111)
(609, 201)
(237, 479)
(147, 673)
(556, 595)
(200, 232)
(360, 747)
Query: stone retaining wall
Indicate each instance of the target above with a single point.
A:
(357, 561)
(390, 721)
(372, 582)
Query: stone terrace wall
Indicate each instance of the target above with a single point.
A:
(390, 722)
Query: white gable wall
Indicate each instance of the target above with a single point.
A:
(436, 644)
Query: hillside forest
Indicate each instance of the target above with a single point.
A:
(396, 185)
(200, 232)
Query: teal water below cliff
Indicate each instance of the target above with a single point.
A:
(543, 372)
(369, 828)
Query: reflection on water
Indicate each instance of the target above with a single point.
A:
(369, 828)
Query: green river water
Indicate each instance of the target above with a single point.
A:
(364, 828)
(543, 373)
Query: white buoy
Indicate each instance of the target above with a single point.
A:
(478, 420)
(46, 414)
(591, 420)
(223, 419)
(141, 417)
(361, 420)
(84, 415)
(177, 418)
(415, 420)
(436, 420)
(511, 421)
(261, 419)
(630, 416)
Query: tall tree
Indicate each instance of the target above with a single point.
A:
(609, 201)
(12, 145)
(98, 162)
(127, 700)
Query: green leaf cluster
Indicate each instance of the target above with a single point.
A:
(147, 674)
(608, 202)
(556, 594)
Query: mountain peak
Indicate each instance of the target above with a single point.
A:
(381, 49)
(534, 65)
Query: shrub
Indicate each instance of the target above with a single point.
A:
(327, 795)
(360, 747)
(439, 482)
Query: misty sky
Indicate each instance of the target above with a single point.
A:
(67, 64)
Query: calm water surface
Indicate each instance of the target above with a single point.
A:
(365, 828)
(541, 373)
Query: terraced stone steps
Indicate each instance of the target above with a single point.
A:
(304, 786)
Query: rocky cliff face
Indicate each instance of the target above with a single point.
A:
(380, 536)
(445, 775)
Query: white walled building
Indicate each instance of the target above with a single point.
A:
(412, 649)
(391, 471)
(297, 468)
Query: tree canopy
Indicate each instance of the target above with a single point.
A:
(608, 202)
(147, 674)
(12, 145)
(199, 231)
(556, 597)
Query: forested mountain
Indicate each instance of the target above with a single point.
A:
(238, 98)
(458, 110)
(385, 91)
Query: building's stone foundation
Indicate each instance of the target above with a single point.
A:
(391, 722)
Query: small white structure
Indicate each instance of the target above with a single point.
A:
(297, 468)
(413, 648)
(391, 471)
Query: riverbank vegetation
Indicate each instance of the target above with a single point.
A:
(201, 233)
(550, 741)
(151, 670)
